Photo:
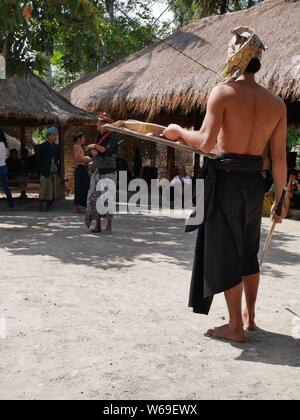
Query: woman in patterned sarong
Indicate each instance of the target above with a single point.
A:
(104, 152)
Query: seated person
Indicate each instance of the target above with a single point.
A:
(182, 177)
(24, 162)
(14, 165)
(296, 191)
(32, 165)
(17, 170)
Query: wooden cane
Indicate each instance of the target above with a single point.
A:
(278, 212)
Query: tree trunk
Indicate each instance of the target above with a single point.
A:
(109, 4)
(7, 46)
(6, 54)
(224, 7)
(48, 71)
(204, 9)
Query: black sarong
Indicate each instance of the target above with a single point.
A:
(82, 185)
(228, 240)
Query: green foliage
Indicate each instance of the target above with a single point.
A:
(25, 44)
(77, 36)
(39, 135)
(293, 137)
(112, 38)
(186, 11)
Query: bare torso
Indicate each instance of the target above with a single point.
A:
(78, 155)
(250, 118)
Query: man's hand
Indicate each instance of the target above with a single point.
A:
(274, 216)
(173, 132)
(87, 160)
(89, 147)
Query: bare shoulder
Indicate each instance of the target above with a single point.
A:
(220, 92)
(278, 104)
(272, 97)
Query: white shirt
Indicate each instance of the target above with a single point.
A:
(3, 154)
(181, 180)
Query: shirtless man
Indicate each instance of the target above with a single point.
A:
(242, 117)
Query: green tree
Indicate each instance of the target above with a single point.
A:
(27, 44)
(72, 37)
(186, 11)
(117, 33)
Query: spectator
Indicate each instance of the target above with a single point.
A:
(32, 164)
(104, 152)
(81, 175)
(49, 166)
(14, 165)
(182, 177)
(3, 169)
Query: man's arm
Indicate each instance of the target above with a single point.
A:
(206, 138)
(278, 156)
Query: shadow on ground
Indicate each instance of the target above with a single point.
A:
(62, 235)
(270, 348)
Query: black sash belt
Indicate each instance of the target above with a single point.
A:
(229, 162)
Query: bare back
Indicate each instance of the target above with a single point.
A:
(251, 114)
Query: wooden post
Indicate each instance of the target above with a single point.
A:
(170, 162)
(196, 164)
(61, 133)
(23, 139)
(197, 126)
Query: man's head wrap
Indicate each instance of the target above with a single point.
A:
(243, 46)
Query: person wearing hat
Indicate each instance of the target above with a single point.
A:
(49, 168)
(103, 152)
(241, 118)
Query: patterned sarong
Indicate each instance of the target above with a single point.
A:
(93, 195)
(50, 188)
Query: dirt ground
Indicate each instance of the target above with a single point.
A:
(83, 316)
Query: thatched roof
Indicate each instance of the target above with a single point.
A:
(160, 79)
(31, 102)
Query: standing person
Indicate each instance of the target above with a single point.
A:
(3, 169)
(81, 175)
(49, 167)
(241, 118)
(104, 152)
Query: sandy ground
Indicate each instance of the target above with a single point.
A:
(83, 316)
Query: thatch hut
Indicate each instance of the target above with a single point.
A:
(159, 80)
(161, 84)
(29, 102)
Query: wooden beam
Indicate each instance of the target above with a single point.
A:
(23, 138)
(61, 133)
(170, 162)
(196, 163)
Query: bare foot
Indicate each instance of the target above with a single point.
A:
(96, 230)
(107, 232)
(88, 221)
(249, 323)
(227, 333)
